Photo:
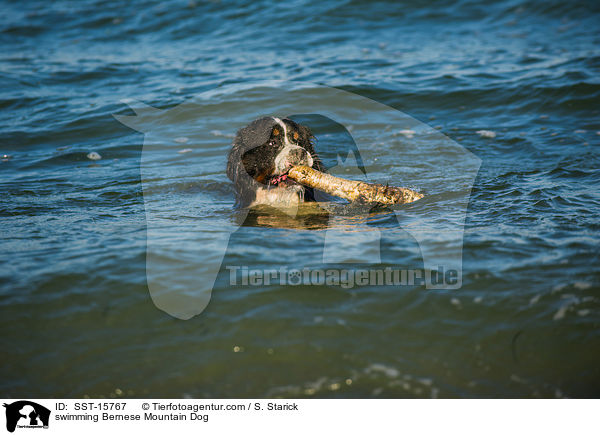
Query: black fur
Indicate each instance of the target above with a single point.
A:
(251, 160)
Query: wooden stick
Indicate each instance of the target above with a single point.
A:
(353, 190)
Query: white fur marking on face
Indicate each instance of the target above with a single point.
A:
(280, 166)
(285, 136)
(282, 157)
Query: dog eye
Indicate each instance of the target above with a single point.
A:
(296, 135)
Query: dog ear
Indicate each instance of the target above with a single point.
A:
(305, 134)
(256, 133)
(253, 135)
(307, 141)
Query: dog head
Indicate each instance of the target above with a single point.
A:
(263, 152)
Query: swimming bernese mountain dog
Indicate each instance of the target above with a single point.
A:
(260, 157)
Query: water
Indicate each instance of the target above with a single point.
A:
(75, 308)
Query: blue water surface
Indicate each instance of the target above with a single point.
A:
(517, 84)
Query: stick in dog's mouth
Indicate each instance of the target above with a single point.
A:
(355, 191)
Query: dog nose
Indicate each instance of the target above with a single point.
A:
(298, 156)
(292, 156)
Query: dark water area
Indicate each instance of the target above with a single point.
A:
(515, 84)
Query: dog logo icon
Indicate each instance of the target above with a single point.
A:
(26, 414)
